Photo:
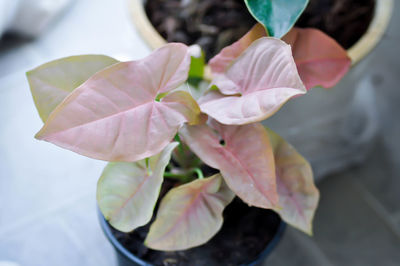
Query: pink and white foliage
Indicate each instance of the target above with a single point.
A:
(190, 215)
(115, 115)
(298, 196)
(245, 159)
(130, 112)
(320, 60)
(255, 85)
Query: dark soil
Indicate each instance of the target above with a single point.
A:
(214, 24)
(245, 234)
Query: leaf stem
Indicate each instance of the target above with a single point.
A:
(172, 175)
(199, 173)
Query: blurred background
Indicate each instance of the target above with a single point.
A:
(47, 194)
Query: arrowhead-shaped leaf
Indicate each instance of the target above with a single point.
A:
(320, 59)
(52, 82)
(256, 85)
(298, 196)
(190, 214)
(128, 192)
(245, 159)
(116, 115)
(278, 16)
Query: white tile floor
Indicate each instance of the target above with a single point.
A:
(47, 194)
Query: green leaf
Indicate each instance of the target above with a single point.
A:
(128, 192)
(278, 16)
(50, 83)
(190, 214)
(197, 65)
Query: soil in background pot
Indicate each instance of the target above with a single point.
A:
(245, 234)
(214, 24)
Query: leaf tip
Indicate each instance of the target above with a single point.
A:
(39, 135)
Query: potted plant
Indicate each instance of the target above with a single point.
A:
(358, 30)
(183, 151)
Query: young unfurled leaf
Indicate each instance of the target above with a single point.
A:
(256, 85)
(298, 196)
(50, 83)
(190, 215)
(128, 192)
(115, 115)
(278, 16)
(320, 60)
(244, 156)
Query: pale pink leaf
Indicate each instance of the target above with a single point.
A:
(50, 83)
(223, 59)
(190, 215)
(320, 60)
(298, 195)
(127, 192)
(115, 115)
(255, 85)
(245, 159)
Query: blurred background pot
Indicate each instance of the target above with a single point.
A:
(334, 129)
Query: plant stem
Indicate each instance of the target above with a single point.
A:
(172, 175)
(199, 173)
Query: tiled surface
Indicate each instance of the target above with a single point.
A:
(47, 195)
(358, 221)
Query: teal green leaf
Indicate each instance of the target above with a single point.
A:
(278, 16)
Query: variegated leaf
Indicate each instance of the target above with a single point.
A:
(128, 192)
(298, 196)
(256, 85)
(116, 115)
(190, 214)
(244, 158)
(50, 83)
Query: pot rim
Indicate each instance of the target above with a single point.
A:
(376, 29)
(130, 256)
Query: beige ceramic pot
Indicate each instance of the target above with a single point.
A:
(358, 51)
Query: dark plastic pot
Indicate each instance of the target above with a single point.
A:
(126, 258)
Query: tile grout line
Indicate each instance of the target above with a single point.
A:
(377, 207)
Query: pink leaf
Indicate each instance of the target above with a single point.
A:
(298, 196)
(245, 159)
(319, 58)
(256, 85)
(190, 214)
(221, 61)
(114, 116)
